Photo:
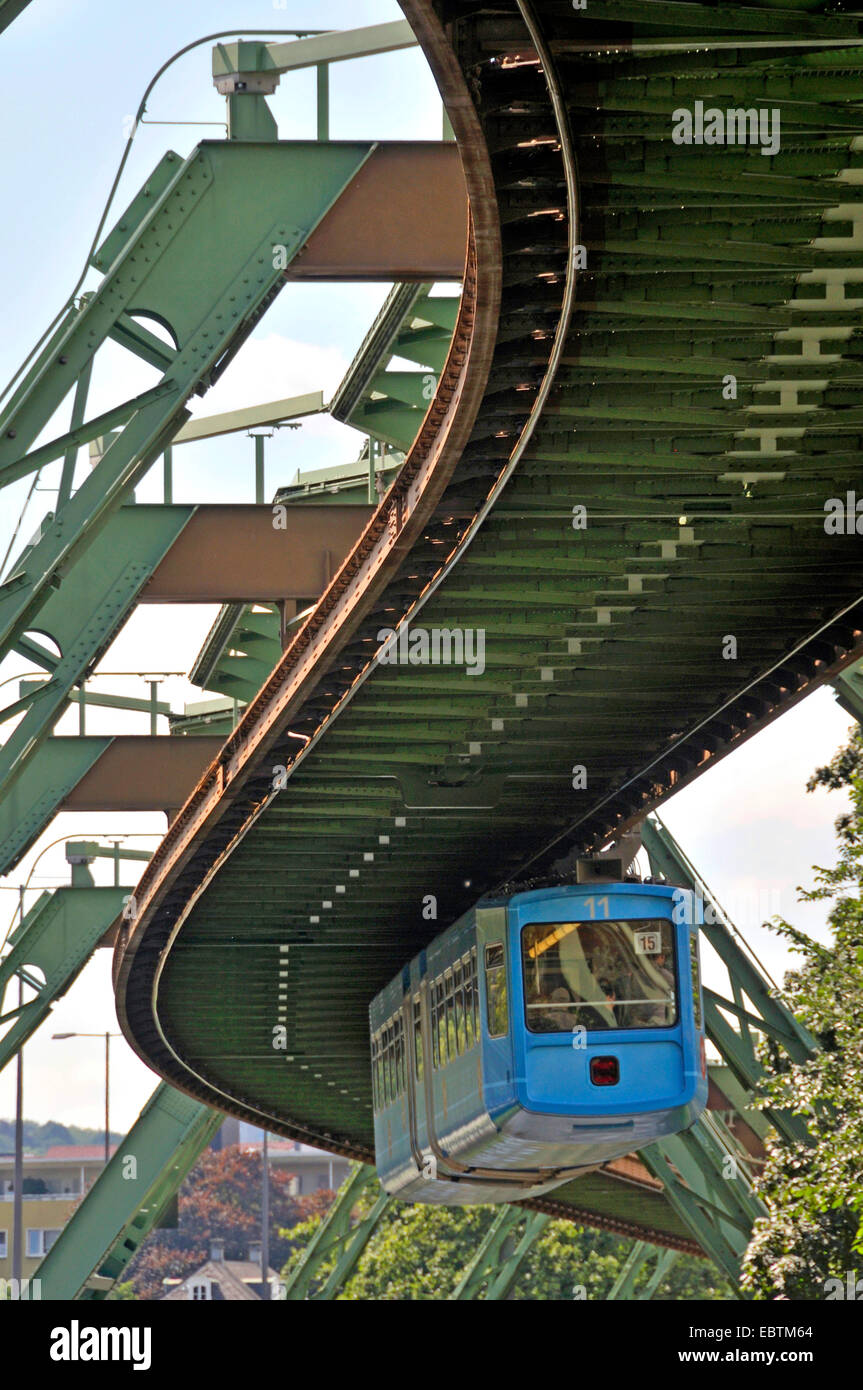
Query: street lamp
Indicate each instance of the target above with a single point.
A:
(59, 1037)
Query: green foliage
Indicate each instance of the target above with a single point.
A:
(814, 1230)
(122, 1293)
(221, 1198)
(420, 1253)
(39, 1137)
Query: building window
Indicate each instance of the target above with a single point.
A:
(4, 1245)
(39, 1241)
(200, 1292)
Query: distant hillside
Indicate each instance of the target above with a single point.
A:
(39, 1137)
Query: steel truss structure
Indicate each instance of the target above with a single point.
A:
(599, 508)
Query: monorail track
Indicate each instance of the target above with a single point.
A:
(604, 645)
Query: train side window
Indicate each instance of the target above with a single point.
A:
(468, 985)
(458, 995)
(388, 1076)
(451, 1049)
(441, 1023)
(696, 977)
(475, 977)
(495, 990)
(435, 1050)
(391, 1070)
(374, 1049)
(403, 1056)
(418, 1037)
(397, 1056)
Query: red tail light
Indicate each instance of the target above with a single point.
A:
(604, 1071)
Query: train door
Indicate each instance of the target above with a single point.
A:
(495, 1006)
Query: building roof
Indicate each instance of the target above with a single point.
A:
(233, 1278)
(79, 1152)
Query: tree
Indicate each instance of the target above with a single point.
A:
(420, 1253)
(221, 1198)
(814, 1192)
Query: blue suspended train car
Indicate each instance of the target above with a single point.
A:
(541, 1035)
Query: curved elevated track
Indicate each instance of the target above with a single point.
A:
(615, 281)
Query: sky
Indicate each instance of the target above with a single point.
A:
(73, 77)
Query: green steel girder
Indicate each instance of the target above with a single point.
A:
(767, 1014)
(389, 404)
(241, 650)
(338, 1235)
(84, 615)
(209, 243)
(707, 1183)
(57, 937)
(9, 10)
(641, 1252)
(32, 800)
(848, 687)
(498, 1261)
(128, 1198)
(588, 631)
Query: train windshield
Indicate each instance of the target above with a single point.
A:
(593, 975)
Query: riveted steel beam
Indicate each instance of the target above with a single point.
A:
(339, 1235)
(641, 1254)
(205, 260)
(729, 1021)
(48, 950)
(495, 1267)
(128, 1198)
(9, 10)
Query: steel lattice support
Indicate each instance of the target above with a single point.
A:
(126, 1201)
(338, 1235)
(57, 937)
(763, 1013)
(640, 1254)
(499, 1259)
(709, 1186)
(257, 200)
(9, 10)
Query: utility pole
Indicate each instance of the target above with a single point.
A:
(107, 1093)
(18, 1210)
(265, 1218)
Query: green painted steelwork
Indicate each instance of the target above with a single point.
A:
(389, 403)
(848, 686)
(215, 240)
(340, 1236)
(251, 417)
(603, 642)
(498, 1261)
(128, 1198)
(241, 650)
(708, 1183)
(32, 801)
(85, 613)
(641, 1253)
(9, 10)
(49, 949)
(753, 1005)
